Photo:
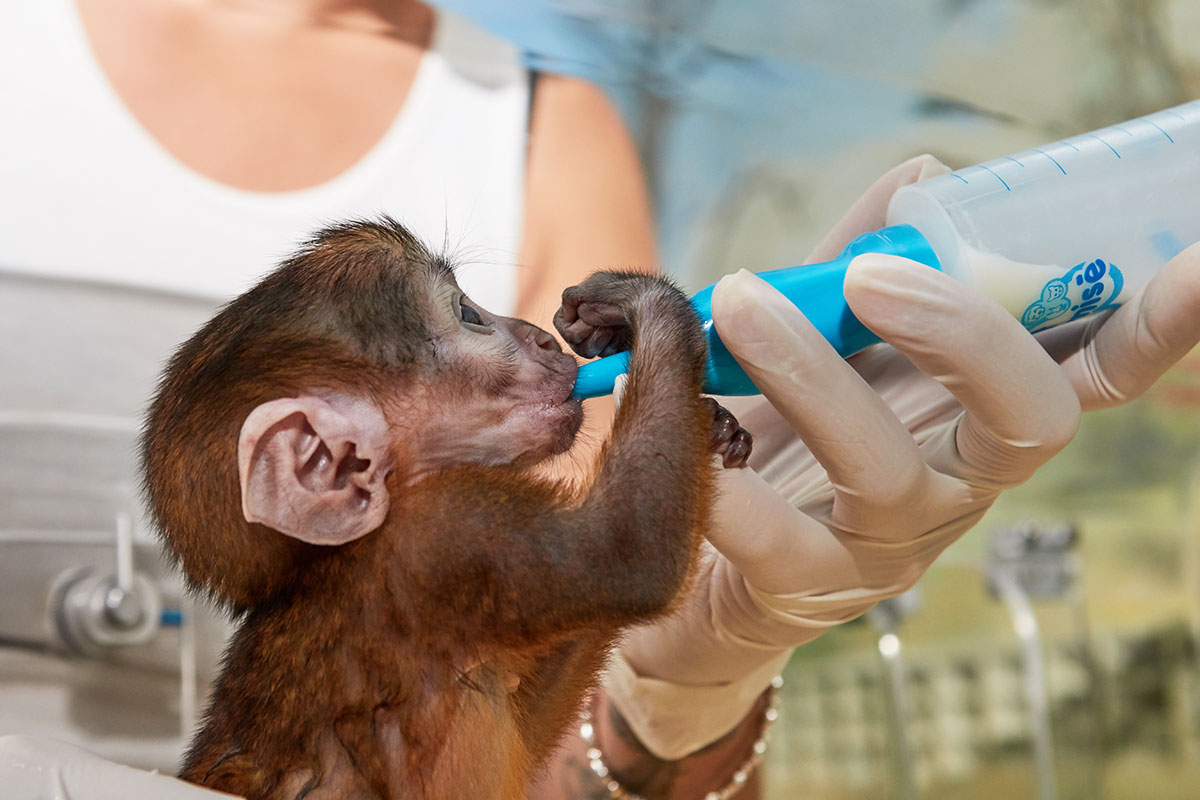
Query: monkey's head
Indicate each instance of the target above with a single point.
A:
(354, 370)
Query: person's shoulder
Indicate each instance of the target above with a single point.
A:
(586, 176)
(586, 202)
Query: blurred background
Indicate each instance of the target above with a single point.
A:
(1050, 653)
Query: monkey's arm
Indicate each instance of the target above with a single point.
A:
(513, 560)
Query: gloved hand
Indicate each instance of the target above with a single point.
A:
(865, 470)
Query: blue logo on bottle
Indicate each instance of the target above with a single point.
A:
(1086, 288)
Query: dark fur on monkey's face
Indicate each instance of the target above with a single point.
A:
(356, 366)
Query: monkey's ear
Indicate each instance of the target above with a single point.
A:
(313, 471)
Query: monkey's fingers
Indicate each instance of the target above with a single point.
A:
(586, 340)
(602, 315)
(565, 315)
(724, 425)
(598, 343)
(613, 333)
(738, 452)
(572, 298)
(727, 437)
(569, 327)
(574, 333)
(591, 341)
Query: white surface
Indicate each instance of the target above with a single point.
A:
(45, 769)
(74, 349)
(127, 710)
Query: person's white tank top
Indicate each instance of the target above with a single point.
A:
(87, 193)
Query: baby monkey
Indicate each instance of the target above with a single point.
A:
(341, 457)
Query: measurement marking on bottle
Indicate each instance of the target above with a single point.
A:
(1122, 130)
(1164, 133)
(960, 177)
(989, 169)
(1018, 163)
(1176, 113)
(1068, 144)
(1106, 144)
(1047, 155)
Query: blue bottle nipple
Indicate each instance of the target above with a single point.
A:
(816, 289)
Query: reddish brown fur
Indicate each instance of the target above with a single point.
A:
(385, 667)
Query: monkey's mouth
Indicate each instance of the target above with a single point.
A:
(560, 379)
(563, 410)
(565, 398)
(552, 423)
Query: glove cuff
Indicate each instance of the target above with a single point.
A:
(674, 720)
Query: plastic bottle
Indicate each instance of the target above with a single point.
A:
(1052, 234)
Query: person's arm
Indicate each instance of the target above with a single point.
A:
(693, 776)
(586, 203)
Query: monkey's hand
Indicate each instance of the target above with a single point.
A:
(729, 439)
(598, 317)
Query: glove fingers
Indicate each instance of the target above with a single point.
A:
(775, 546)
(1113, 360)
(786, 553)
(1020, 408)
(871, 460)
(919, 401)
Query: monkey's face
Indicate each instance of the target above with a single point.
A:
(506, 385)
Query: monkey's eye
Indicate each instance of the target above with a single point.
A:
(469, 314)
(471, 318)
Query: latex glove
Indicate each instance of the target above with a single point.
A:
(34, 768)
(894, 455)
